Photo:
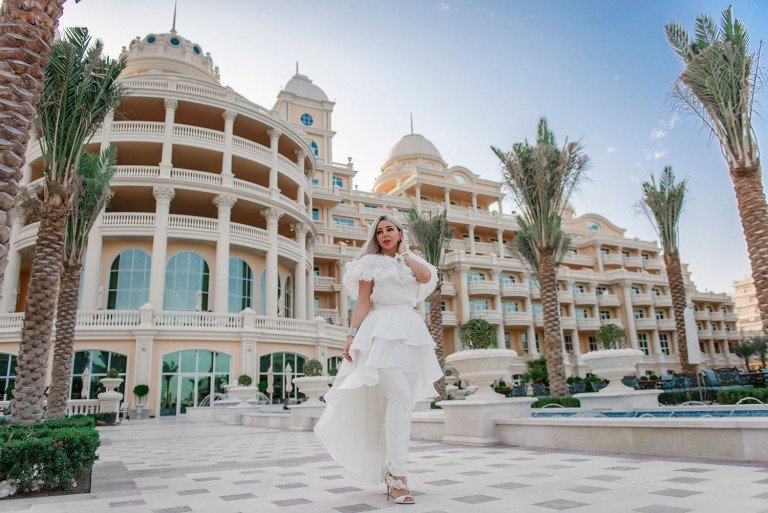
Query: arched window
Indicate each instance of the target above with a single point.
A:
(279, 362)
(333, 362)
(185, 275)
(288, 298)
(240, 285)
(315, 148)
(97, 363)
(129, 280)
(7, 375)
(263, 293)
(187, 378)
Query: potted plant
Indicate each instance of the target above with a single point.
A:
(242, 391)
(481, 363)
(538, 376)
(313, 384)
(613, 360)
(112, 381)
(140, 392)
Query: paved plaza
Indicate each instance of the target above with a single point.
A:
(169, 466)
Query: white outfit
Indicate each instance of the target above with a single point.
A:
(366, 423)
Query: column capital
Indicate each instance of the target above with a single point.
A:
(170, 103)
(464, 268)
(274, 133)
(299, 228)
(271, 214)
(300, 154)
(229, 115)
(224, 201)
(163, 192)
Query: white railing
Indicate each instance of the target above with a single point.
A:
(12, 321)
(196, 132)
(254, 188)
(143, 172)
(188, 175)
(197, 320)
(324, 281)
(146, 84)
(336, 250)
(102, 318)
(138, 127)
(280, 324)
(200, 90)
(82, 407)
(327, 313)
(241, 143)
(248, 232)
(142, 219)
(193, 223)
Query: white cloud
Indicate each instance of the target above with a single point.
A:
(664, 126)
(611, 149)
(655, 154)
(658, 133)
(443, 7)
(634, 179)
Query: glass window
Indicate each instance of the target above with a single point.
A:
(581, 313)
(201, 374)
(315, 148)
(475, 276)
(185, 275)
(605, 251)
(568, 343)
(625, 254)
(343, 221)
(507, 340)
(307, 119)
(7, 375)
(478, 305)
(664, 342)
(97, 363)
(642, 341)
(129, 277)
(533, 282)
(279, 363)
(639, 314)
(334, 362)
(635, 291)
(605, 315)
(337, 181)
(315, 214)
(592, 344)
(507, 278)
(240, 285)
(263, 293)
(593, 226)
(510, 306)
(288, 293)
(601, 290)
(660, 314)
(656, 292)
(537, 310)
(578, 289)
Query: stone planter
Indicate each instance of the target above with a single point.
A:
(109, 400)
(242, 394)
(482, 367)
(613, 364)
(314, 387)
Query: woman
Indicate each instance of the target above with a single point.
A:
(390, 363)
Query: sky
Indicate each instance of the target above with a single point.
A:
(480, 73)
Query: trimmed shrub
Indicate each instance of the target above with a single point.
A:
(671, 399)
(566, 402)
(313, 368)
(140, 390)
(113, 373)
(43, 457)
(333, 372)
(477, 334)
(105, 419)
(734, 396)
(244, 380)
(263, 386)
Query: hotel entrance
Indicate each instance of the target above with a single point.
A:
(189, 377)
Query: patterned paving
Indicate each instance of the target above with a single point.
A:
(172, 466)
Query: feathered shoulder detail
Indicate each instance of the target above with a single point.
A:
(374, 267)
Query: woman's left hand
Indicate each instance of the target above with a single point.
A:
(402, 248)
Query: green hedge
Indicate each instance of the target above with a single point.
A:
(671, 399)
(566, 402)
(55, 455)
(733, 396)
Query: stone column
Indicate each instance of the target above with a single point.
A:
(343, 299)
(310, 280)
(472, 239)
(271, 215)
(300, 274)
(599, 257)
(163, 196)
(474, 202)
(92, 269)
(250, 356)
(221, 279)
(501, 205)
(166, 161)
(226, 160)
(106, 130)
(531, 331)
(300, 158)
(576, 344)
(656, 342)
(463, 269)
(10, 287)
(630, 314)
(498, 307)
(417, 191)
(142, 374)
(274, 138)
(500, 239)
(447, 197)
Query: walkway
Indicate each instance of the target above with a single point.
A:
(171, 466)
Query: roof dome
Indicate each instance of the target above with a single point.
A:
(301, 85)
(414, 145)
(169, 53)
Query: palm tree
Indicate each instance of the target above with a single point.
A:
(662, 203)
(542, 178)
(432, 235)
(93, 193)
(761, 349)
(80, 89)
(744, 349)
(27, 29)
(718, 84)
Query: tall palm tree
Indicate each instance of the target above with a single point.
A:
(27, 29)
(718, 84)
(432, 234)
(744, 349)
(761, 349)
(663, 202)
(80, 89)
(542, 177)
(93, 193)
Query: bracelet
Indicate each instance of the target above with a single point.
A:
(352, 332)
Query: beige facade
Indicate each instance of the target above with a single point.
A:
(745, 304)
(222, 250)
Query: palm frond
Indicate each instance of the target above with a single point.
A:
(431, 234)
(663, 203)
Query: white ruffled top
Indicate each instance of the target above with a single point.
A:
(395, 282)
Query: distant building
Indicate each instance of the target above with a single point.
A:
(745, 304)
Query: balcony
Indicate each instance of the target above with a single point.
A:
(666, 324)
(517, 318)
(483, 288)
(705, 334)
(717, 315)
(653, 264)
(567, 322)
(535, 293)
(565, 296)
(344, 230)
(608, 300)
(582, 260)
(633, 262)
(734, 335)
(612, 320)
(588, 323)
(448, 289)
(701, 315)
(450, 319)
(719, 334)
(324, 283)
(329, 314)
(584, 298)
(514, 290)
(492, 316)
(663, 300)
(538, 320)
(641, 299)
(612, 260)
(646, 323)
(334, 250)
(731, 317)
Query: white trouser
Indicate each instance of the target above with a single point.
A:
(398, 388)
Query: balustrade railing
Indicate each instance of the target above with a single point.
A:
(108, 318)
(82, 407)
(249, 232)
(241, 143)
(141, 219)
(197, 320)
(193, 223)
(138, 127)
(197, 132)
(189, 175)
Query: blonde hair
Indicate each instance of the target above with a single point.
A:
(371, 245)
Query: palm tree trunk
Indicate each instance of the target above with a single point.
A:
(27, 29)
(553, 345)
(66, 319)
(32, 363)
(435, 326)
(677, 290)
(753, 212)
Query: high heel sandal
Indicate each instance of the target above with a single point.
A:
(393, 482)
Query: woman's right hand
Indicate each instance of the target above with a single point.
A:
(346, 348)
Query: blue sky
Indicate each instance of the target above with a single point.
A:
(480, 73)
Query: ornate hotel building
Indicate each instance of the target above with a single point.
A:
(222, 250)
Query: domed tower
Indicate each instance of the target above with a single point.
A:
(411, 152)
(305, 106)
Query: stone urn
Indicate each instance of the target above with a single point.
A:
(242, 394)
(482, 367)
(109, 400)
(613, 364)
(314, 387)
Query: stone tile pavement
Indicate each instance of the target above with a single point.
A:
(169, 466)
